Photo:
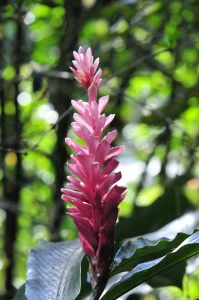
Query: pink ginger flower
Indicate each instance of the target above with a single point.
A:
(92, 190)
(86, 68)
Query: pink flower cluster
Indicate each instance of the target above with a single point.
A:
(92, 190)
(85, 73)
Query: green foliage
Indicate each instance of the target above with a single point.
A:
(141, 250)
(145, 271)
(155, 99)
(60, 262)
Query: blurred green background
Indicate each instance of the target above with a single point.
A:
(149, 56)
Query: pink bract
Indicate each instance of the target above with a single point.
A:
(92, 189)
(86, 68)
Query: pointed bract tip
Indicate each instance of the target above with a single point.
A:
(81, 49)
(85, 68)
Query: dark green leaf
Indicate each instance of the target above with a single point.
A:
(174, 36)
(53, 271)
(170, 277)
(164, 42)
(145, 271)
(141, 250)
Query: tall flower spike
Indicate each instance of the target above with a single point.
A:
(91, 190)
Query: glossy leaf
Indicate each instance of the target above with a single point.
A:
(145, 271)
(172, 276)
(53, 271)
(141, 250)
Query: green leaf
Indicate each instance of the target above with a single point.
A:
(53, 271)
(169, 277)
(174, 36)
(141, 250)
(20, 295)
(145, 271)
(164, 42)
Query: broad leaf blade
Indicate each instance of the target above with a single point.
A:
(169, 277)
(53, 271)
(141, 250)
(145, 271)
